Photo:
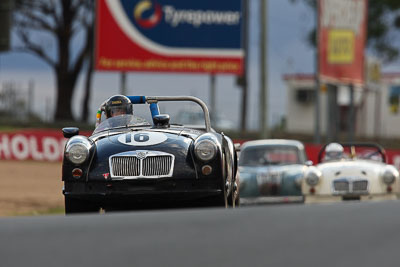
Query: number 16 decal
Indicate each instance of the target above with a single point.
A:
(142, 138)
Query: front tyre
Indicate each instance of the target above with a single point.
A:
(73, 206)
(234, 197)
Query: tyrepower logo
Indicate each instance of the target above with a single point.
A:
(153, 20)
(175, 17)
(197, 18)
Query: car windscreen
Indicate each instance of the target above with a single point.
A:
(122, 121)
(269, 155)
(349, 153)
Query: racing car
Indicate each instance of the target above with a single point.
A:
(351, 171)
(271, 170)
(130, 163)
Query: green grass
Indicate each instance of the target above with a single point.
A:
(51, 211)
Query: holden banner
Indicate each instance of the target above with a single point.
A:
(169, 36)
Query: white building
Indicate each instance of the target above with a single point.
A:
(377, 112)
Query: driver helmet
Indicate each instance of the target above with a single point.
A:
(334, 151)
(118, 105)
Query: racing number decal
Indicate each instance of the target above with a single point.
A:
(128, 138)
(142, 139)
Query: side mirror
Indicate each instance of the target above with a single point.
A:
(68, 132)
(161, 121)
(309, 163)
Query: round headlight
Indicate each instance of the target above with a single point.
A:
(77, 153)
(312, 179)
(388, 177)
(205, 150)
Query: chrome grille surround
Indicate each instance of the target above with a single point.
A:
(141, 164)
(350, 186)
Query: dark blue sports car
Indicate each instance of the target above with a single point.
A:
(130, 163)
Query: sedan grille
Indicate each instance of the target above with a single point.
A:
(350, 186)
(141, 164)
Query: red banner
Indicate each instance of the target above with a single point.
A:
(40, 145)
(169, 36)
(341, 40)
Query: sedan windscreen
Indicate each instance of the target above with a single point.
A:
(269, 155)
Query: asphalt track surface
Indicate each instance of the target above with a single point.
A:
(346, 234)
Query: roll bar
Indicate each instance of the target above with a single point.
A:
(153, 101)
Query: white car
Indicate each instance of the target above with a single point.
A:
(360, 173)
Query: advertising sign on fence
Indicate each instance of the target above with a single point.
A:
(36, 144)
(48, 145)
(169, 36)
(341, 40)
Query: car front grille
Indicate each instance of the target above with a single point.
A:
(350, 186)
(125, 166)
(141, 164)
(341, 186)
(157, 165)
(360, 186)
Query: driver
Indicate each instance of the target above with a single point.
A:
(118, 105)
(334, 151)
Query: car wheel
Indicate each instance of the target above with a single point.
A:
(233, 198)
(237, 201)
(73, 205)
(227, 198)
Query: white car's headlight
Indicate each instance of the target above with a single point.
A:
(205, 150)
(388, 177)
(77, 153)
(312, 178)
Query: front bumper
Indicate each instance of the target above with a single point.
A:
(335, 198)
(271, 200)
(125, 192)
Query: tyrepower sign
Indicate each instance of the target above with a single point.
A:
(341, 40)
(169, 36)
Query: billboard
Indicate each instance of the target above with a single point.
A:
(341, 40)
(169, 36)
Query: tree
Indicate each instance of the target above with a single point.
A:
(89, 73)
(63, 21)
(383, 26)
